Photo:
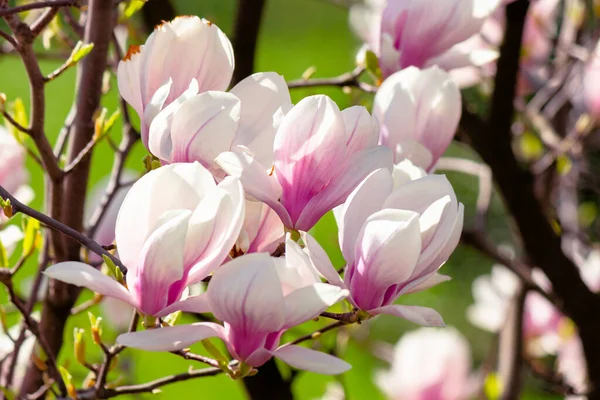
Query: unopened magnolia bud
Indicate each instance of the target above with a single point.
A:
(79, 346)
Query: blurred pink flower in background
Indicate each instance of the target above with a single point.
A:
(423, 33)
(13, 174)
(257, 297)
(320, 155)
(164, 70)
(542, 321)
(430, 364)
(418, 111)
(591, 84)
(167, 242)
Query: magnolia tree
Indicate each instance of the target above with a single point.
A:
(216, 226)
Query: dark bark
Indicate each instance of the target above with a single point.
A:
(245, 37)
(268, 384)
(492, 140)
(155, 12)
(61, 297)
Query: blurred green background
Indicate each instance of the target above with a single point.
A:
(295, 35)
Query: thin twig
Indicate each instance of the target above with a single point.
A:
(510, 363)
(14, 123)
(17, 207)
(82, 154)
(39, 4)
(317, 334)
(347, 79)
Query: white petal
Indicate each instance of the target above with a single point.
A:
(204, 126)
(194, 304)
(365, 200)
(311, 360)
(308, 302)
(321, 261)
(262, 95)
(419, 315)
(171, 338)
(80, 274)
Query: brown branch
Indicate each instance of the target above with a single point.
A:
(19, 207)
(150, 387)
(347, 318)
(492, 140)
(245, 37)
(40, 4)
(14, 123)
(85, 152)
(349, 79)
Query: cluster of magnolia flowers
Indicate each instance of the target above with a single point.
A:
(245, 174)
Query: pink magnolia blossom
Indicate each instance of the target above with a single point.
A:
(571, 365)
(394, 241)
(429, 364)
(591, 85)
(13, 174)
(542, 321)
(257, 297)
(207, 124)
(176, 225)
(320, 155)
(422, 33)
(419, 112)
(179, 59)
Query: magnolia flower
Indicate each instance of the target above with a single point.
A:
(542, 321)
(179, 59)
(591, 86)
(257, 297)
(429, 364)
(571, 366)
(422, 33)
(204, 125)
(320, 155)
(176, 225)
(394, 241)
(13, 174)
(262, 230)
(419, 112)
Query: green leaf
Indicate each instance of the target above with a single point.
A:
(8, 393)
(492, 386)
(372, 65)
(172, 318)
(587, 213)
(133, 7)
(115, 271)
(531, 146)
(81, 50)
(32, 229)
(563, 164)
(17, 109)
(3, 256)
(110, 122)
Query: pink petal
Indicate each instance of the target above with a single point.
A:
(366, 199)
(80, 274)
(194, 304)
(361, 128)
(204, 127)
(321, 261)
(311, 360)
(265, 97)
(419, 315)
(246, 293)
(171, 338)
(356, 168)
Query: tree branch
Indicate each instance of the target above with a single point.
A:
(492, 140)
(39, 4)
(510, 352)
(245, 37)
(19, 207)
(348, 79)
